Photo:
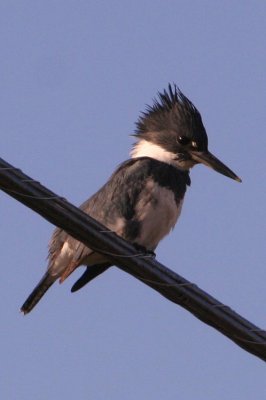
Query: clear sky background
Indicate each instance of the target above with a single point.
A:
(74, 76)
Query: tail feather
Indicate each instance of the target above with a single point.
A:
(91, 272)
(37, 293)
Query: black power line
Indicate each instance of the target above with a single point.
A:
(174, 287)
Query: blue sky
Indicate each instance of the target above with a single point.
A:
(74, 76)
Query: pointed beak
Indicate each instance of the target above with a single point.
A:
(206, 158)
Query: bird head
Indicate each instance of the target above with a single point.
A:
(171, 130)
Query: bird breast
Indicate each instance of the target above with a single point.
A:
(157, 211)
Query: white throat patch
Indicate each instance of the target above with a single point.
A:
(147, 149)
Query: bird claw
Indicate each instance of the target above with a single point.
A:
(144, 250)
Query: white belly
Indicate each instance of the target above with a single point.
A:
(158, 212)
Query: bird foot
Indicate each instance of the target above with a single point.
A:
(144, 250)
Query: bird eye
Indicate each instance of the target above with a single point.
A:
(194, 144)
(184, 140)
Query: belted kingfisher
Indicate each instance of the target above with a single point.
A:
(143, 198)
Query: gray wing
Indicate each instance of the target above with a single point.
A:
(113, 206)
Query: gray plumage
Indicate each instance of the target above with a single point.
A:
(143, 198)
(114, 205)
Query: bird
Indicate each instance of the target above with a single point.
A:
(143, 198)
